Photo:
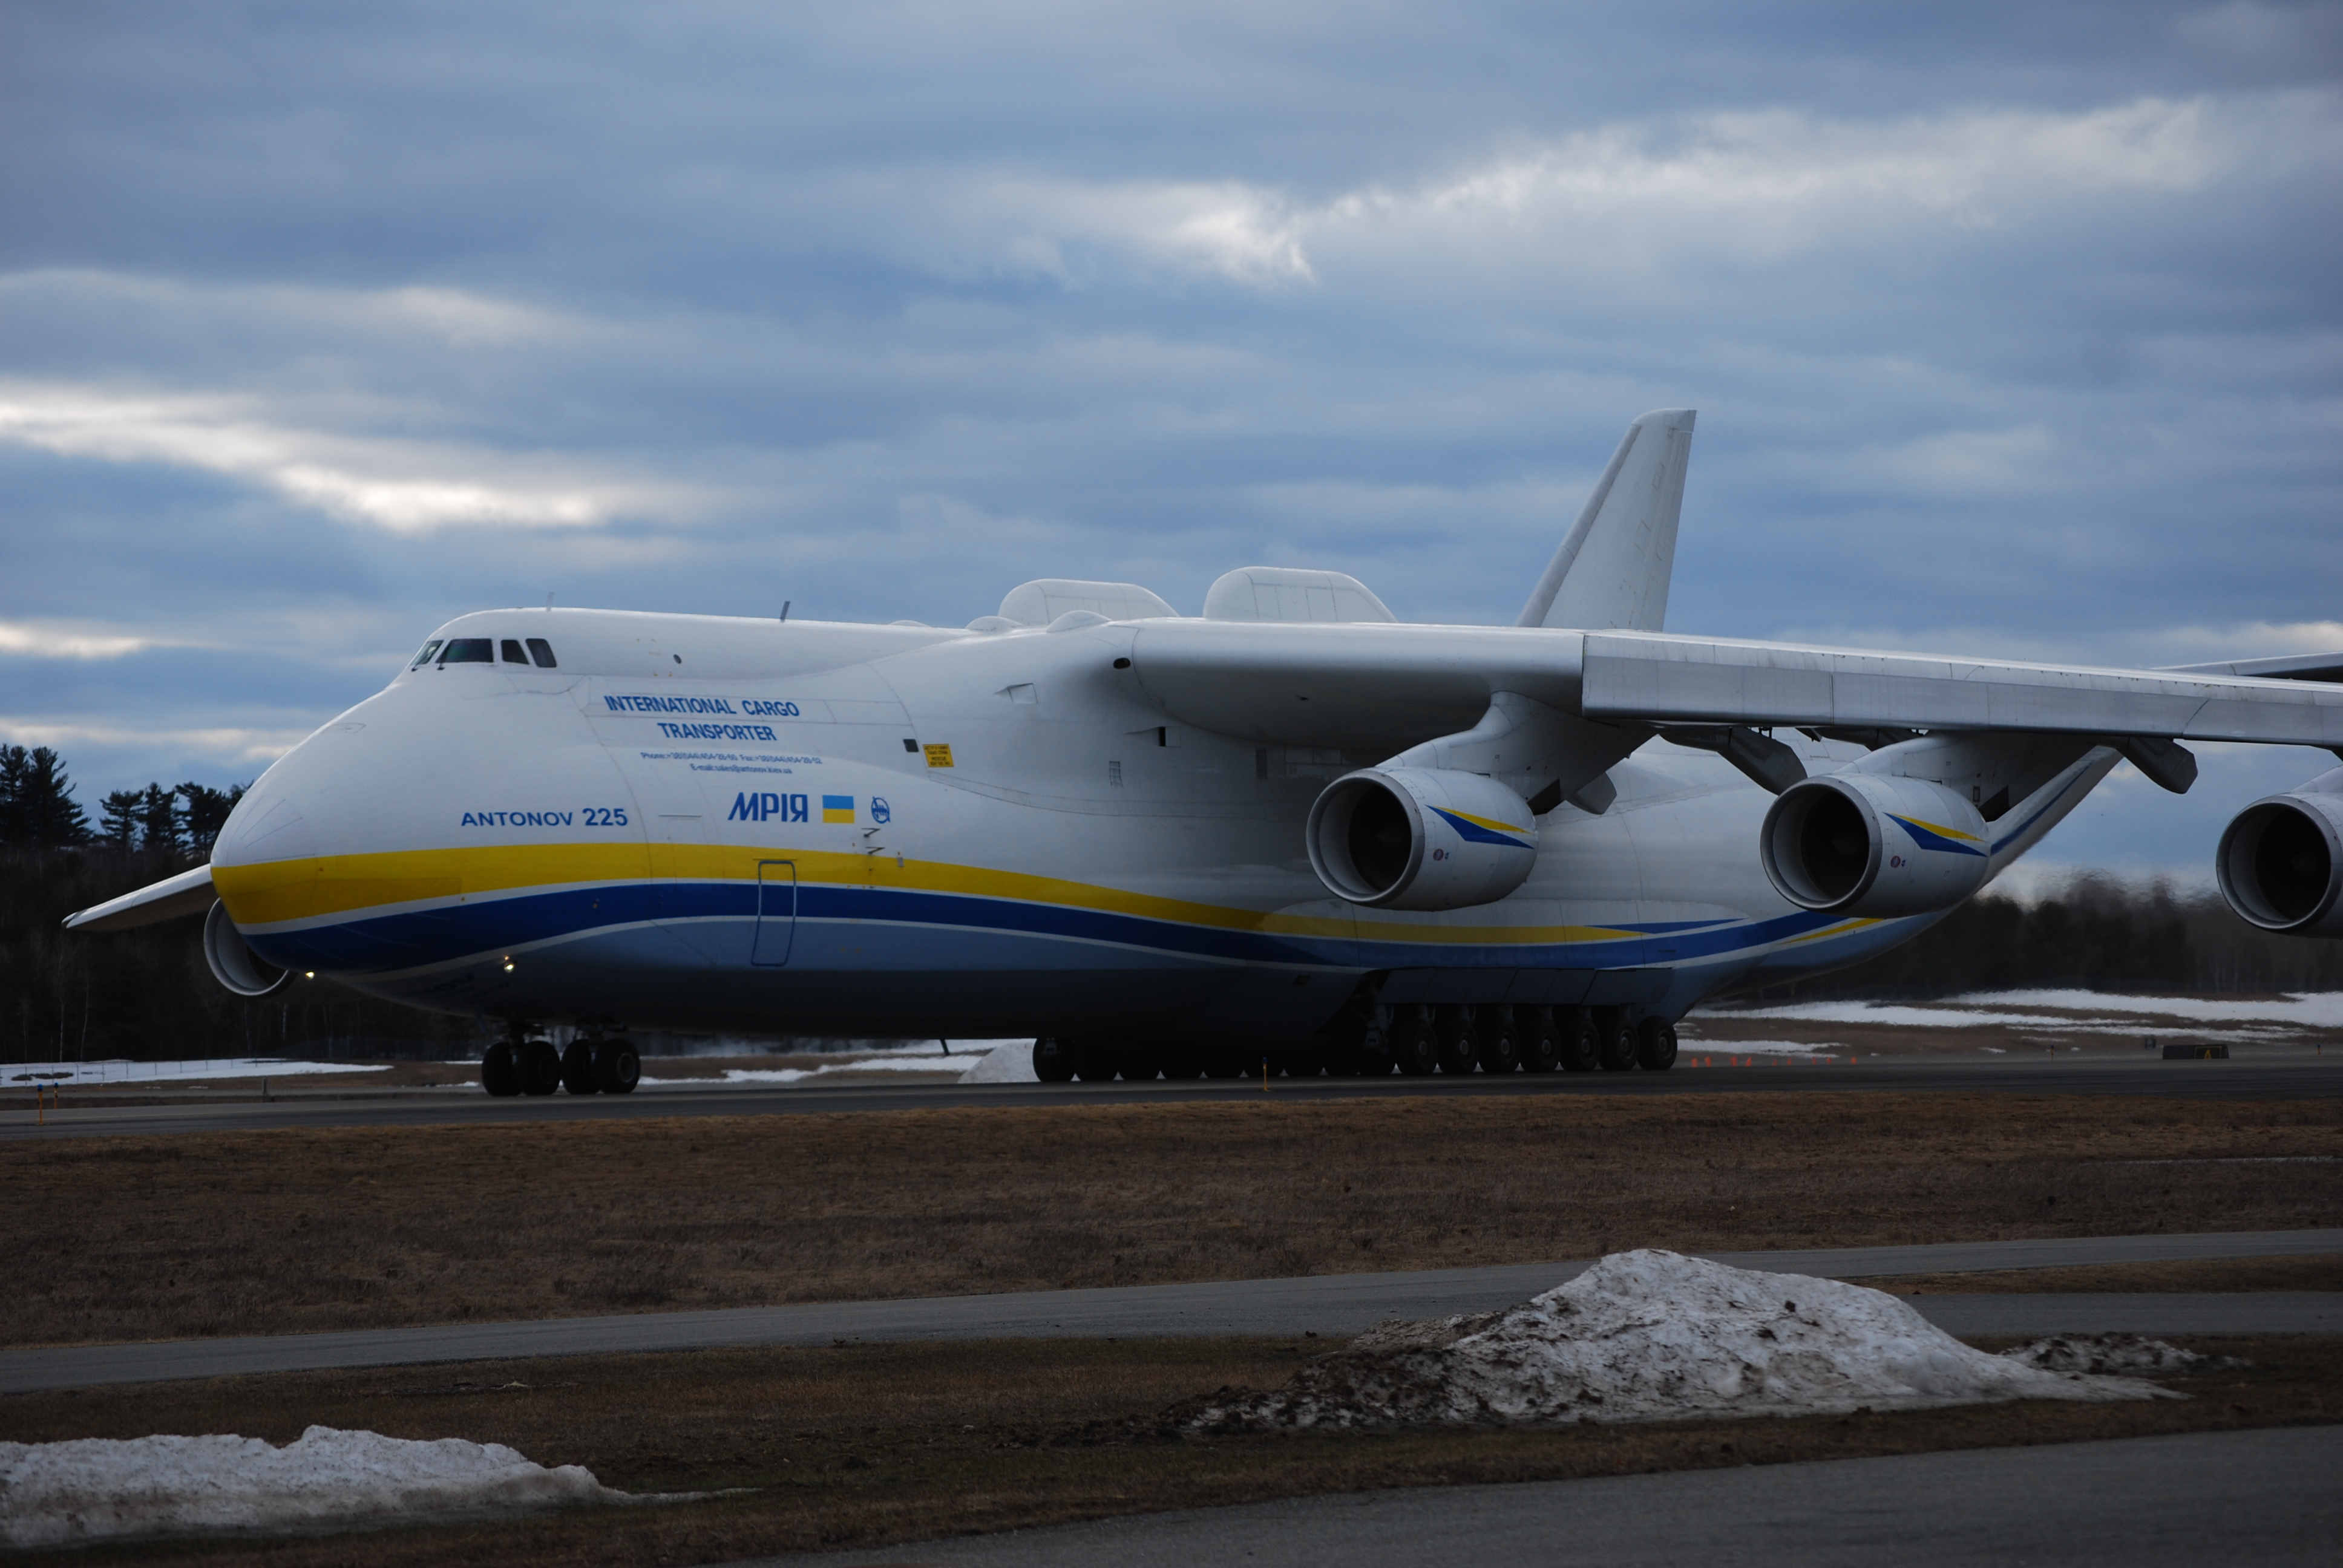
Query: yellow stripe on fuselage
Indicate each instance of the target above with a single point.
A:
(346, 886)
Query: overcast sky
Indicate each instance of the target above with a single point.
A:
(2014, 329)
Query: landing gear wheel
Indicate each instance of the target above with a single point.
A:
(540, 1066)
(1225, 1064)
(617, 1067)
(1093, 1063)
(578, 1069)
(498, 1075)
(1416, 1045)
(1139, 1063)
(1182, 1064)
(1460, 1042)
(1579, 1049)
(1541, 1040)
(1614, 1042)
(1053, 1061)
(1655, 1045)
(1501, 1043)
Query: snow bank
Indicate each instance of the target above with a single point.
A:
(145, 1071)
(1652, 1336)
(63, 1494)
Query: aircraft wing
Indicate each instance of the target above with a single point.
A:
(189, 893)
(1361, 685)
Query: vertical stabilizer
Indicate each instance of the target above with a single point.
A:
(1612, 571)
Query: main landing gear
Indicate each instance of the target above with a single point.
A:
(527, 1064)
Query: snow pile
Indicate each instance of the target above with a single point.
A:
(116, 1071)
(1652, 1336)
(2116, 1355)
(63, 1494)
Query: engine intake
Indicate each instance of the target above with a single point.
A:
(1421, 838)
(235, 965)
(2280, 863)
(1868, 844)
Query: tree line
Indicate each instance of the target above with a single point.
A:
(37, 807)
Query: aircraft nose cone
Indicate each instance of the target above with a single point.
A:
(264, 826)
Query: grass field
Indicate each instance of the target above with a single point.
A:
(257, 1232)
(868, 1445)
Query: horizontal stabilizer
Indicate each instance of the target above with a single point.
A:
(189, 893)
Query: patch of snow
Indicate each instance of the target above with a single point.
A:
(938, 1062)
(1652, 1335)
(1009, 1061)
(2313, 1010)
(95, 1489)
(2119, 1356)
(1897, 1015)
(64, 1073)
(1703, 1046)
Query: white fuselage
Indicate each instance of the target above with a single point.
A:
(701, 822)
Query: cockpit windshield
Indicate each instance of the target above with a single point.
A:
(467, 650)
(425, 656)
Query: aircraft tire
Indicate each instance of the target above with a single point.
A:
(1460, 1042)
(617, 1067)
(578, 1069)
(1416, 1045)
(498, 1075)
(1501, 1043)
(1226, 1064)
(1139, 1063)
(1579, 1052)
(1053, 1061)
(1655, 1045)
(541, 1067)
(1093, 1062)
(1541, 1040)
(1615, 1040)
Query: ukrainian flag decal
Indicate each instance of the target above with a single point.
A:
(837, 807)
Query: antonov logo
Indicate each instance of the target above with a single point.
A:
(778, 807)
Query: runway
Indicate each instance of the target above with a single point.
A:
(2264, 1497)
(2288, 1076)
(1331, 1306)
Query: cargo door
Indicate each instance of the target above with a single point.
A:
(776, 913)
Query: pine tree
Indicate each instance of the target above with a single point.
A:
(208, 812)
(118, 825)
(36, 803)
(158, 819)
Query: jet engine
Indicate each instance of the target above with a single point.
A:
(2280, 862)
(1421, 838)
(235, 965)
(1866, 844)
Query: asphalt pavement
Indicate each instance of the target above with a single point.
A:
(2261, 1497)
(1331, 1306)
(110, 1113)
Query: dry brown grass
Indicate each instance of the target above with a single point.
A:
(2220, 1276)
(279, 1231)
(875, 1444)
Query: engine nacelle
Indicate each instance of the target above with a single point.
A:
(2281, 862)
(1870, 845)
(1421, 838)
(235, 965)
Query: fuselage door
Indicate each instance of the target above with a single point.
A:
(776, 913)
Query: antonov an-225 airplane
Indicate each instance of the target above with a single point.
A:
(1292, 829)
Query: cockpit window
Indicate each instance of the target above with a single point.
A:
(425, 656)
(544, 651)
(467, 650)
(510, 648)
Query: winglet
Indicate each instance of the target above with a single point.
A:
(1611, 572)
